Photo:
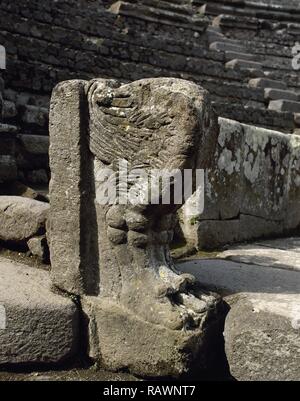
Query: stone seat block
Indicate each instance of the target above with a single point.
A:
(285, 105)
(267, 83)
(226, 46)
(277, 94)
(243, 64)
(36, 326)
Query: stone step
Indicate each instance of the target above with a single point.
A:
(262, 327)
(159, 16)
(249, 9)
(277, 94)
(214, 36)
(226, 46)
(180, 8)
(36, 325)
(9, 110)
(285, 105)
(6, 128)
(34, 115)
(214, 9)
(225, 21)
(230, 55)
(266, 83)
(35, 144)
(243, 64)
(21, 218)
(271, 119)
(8, 170)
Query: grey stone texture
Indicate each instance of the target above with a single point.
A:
(36, 326)
(253, 190)
(285, 105)
(38, 246)
(66, 42)
(8, 165)
(262, 255)
(116, 256)
(262, 328)
(21, 218)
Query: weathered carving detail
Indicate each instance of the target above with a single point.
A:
(152, 124)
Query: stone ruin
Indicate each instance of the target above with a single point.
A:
(114, 261)
(116, 256)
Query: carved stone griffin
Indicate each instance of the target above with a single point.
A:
(142, 314)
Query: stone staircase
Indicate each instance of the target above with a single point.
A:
(24, 140)
(279, 96)
(175, 13)
(8, 165)
(225, 62)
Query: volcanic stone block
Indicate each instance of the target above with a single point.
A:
(21, 218)
(226, 46)
(35, 144)
(231, 55)
(8, 165)
(8, 168)
(285, 105)
(277, 94)
(243, 64)
(251, 191)
(262, 327)
(38, 327)
(141, 314)
(262, 337)
(38, 246)
(297, 119)
(267, 83)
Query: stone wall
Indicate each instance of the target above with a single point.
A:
(50, 42)
(241, 53)
(253, 191)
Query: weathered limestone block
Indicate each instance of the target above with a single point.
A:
(262, 328)
(8, 165)
(142, 315)
(285, 105)
(35, 144)
(267, 83)
(243, 64)
(38, 246)
(226, 46)
(8, 168)
(252, 191)
(277, 94)
(35, 116)
(21, 218)
(262, 337)
(1, 96)
(36, 326)
(17, 188)
(9, 110)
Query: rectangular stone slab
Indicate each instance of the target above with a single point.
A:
(71, 242)
(36, 325)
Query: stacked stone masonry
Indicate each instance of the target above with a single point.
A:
(241, 52)
(47, 43)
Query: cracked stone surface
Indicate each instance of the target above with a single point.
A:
(284, 256)
(116, 256)
(262, 328)
(36, 325)
(252, 191)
